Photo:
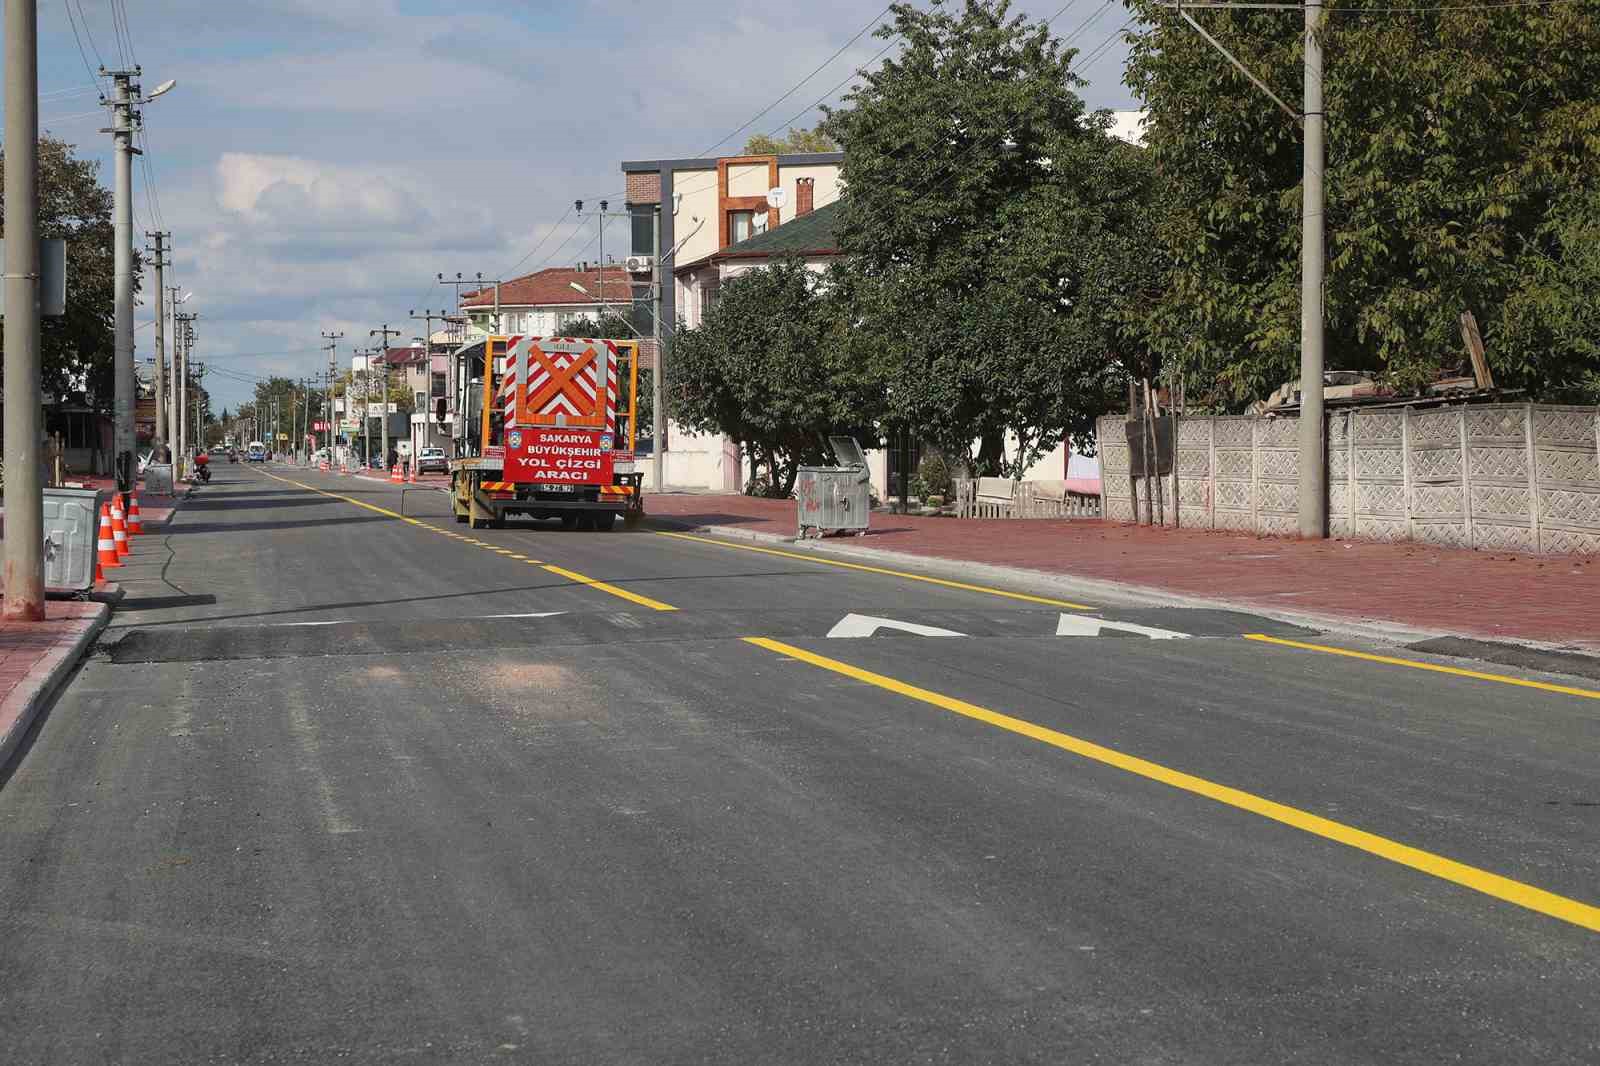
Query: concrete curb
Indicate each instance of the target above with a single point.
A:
(19, 709)
(1106, 592)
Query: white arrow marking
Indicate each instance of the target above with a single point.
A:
(865, 625)
(1077, 625)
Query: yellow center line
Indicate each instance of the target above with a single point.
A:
(631, 597)
(962, 585)
(1416, 664)
(1536, 899)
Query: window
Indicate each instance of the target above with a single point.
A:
(439, 380)
(741, 226)
(644, 229)
(709, 291)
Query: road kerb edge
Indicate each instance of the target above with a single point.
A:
(18, 711)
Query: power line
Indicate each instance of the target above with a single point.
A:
(796, 88)
(548, 234)
(99, 83)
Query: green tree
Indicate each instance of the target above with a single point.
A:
(993, 230)
(770, 366)
(797, 142)
(616, 327)
(77, 349)
(1453, 134)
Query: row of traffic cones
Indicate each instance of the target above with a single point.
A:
(115, 531)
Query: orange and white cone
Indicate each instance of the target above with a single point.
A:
(394, 473)
(119, 528)
(413, 468)
(106, 546)
(135, 523)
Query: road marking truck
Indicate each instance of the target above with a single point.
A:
(554, 434)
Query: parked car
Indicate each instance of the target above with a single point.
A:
(432, 461)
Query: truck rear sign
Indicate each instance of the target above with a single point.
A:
(558, 456)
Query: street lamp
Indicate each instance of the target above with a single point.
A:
(604, 305)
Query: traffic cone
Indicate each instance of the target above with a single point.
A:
(119, 528)
(395, 477)
(106, 547)
(135, 523)
(413, 469)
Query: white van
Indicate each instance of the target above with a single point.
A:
(256, 453)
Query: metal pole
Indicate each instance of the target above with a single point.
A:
(24, 415)
(173, 407)
(657, 418)
(159, 252)
(1313, 484)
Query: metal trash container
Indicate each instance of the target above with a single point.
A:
(71, 529)
(835, 498)
(158, 479)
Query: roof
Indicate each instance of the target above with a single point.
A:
(553, 287)
(400, 356)
(809, 235)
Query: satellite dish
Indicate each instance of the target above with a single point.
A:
(777, 198)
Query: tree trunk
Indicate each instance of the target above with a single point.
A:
(991, 455)
(791, 472)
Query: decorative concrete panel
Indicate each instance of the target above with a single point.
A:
(1113, 459)
(1118, 510)
(1234, 432)
(1571, 542)
(1449, 534)
(1502, 500)
(1436, 500)
(1563, 425)
(1235, 520)
(1377, 426)
(1193, 463)
(1279, 432)
(1280, 464)
(1430, 429)
(1233, 495)
(1436, 463)
(1567, 466)
(1385, 530)
(1570, 507)
(1234, 463)
(1279, 497)
(1339, 527)
(1338, 464)
(1338, 499)
(1500, 537)
(1194, 433)
(1380, 499)
(1279, 525)
(1379, 462)
(1508, 463)
(1494, 423)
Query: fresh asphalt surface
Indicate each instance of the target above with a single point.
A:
(414, 831)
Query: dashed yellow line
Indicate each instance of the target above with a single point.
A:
(1563, 908)
(1417, 664)
(862, 567)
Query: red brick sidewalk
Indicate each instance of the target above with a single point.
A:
(1485, 594)
(36, 658)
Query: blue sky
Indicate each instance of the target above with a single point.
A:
(322, 160)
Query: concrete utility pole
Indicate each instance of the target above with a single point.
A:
(657, 417)
(159, 261)
(383, 348)
(1313, 481)
(24, 415)
(1312, 502)
(125, 116)
(427, 318)
(332, 348)
(183, 340)
(174, 407)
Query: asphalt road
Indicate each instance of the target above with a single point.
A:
(345, 786)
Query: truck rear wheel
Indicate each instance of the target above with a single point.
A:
(603, 523)
(585, 522)
(569, 520)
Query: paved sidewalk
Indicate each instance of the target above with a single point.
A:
(36, 658)
(1492, 595)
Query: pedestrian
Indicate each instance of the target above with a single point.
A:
(394, 457)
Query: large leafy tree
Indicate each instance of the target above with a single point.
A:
(1454, 135)
(795, 141)
(770, 366)
(617, 327)
(77, 348)
(993, 228)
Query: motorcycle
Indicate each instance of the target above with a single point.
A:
(202, 469)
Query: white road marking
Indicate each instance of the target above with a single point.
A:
(281, 625)
(1077, 625)
(865, 625)
(535, 614)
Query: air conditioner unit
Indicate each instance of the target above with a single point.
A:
(640, 264)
